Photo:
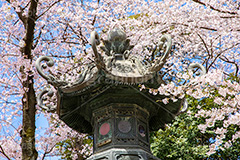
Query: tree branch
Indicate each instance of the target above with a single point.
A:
(206, 28)
(47, 152)
(220, 54)
(225, 59)
(215, 9)
(47, 9)
(2, 151)
(37, 39)
(80, 35)
(205, 45)
(20, 14)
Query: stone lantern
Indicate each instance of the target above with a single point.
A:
(106, 101)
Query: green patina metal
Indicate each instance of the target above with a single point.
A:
(76, 109)
(106, 100)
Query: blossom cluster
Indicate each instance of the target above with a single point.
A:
(203, 31)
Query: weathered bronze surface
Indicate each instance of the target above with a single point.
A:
(106, 101)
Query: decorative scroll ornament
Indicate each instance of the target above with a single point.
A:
(165, 43)
(50, 78)
(192, 66)
(42, 97)
(95, 40)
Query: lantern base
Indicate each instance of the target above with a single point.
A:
(123, 154)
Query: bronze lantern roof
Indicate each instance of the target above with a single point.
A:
(114, 77)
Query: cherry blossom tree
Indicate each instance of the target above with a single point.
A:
(206, 32)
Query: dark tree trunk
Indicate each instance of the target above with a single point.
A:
(29, 99)
(28, 131)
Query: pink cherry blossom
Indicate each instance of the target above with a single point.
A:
(206, 32)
